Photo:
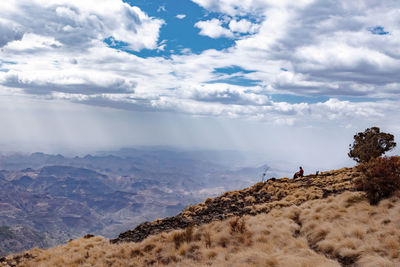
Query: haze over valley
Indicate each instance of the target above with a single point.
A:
(48, 199)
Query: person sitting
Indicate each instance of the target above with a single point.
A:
(300, 173)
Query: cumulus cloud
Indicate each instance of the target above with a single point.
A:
(242, 26)
(9, 31)
(31, 42)
(326, 52)
(77, 23)
(47, 37)
(253, 7)
(213, 28)
(299, 49)
(282, 113)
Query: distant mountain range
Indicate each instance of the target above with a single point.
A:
(48, 199)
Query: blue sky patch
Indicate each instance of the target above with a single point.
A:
(361, 99)
(231, 70)
(179, 34)
(3, 62)
(378, 30)
(113, 43)
(295, 99)
(240, 81)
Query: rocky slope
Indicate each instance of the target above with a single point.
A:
(260, 198)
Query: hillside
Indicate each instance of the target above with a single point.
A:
(313, 221)
(58, 198)
(20, 238)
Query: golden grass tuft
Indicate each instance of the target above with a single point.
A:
(238, 225)
(250, 199)
(179, 237)
(207, 239)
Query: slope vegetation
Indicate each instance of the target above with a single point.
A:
(313, 221)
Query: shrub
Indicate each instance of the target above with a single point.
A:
(379, 178)
(370, 144)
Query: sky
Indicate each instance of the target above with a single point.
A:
(291, 80)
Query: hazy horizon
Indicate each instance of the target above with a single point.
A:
(107, 129)
(291, 81)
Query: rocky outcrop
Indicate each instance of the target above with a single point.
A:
(261, 197)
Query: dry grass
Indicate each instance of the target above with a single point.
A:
(300, 229)
(238, 225)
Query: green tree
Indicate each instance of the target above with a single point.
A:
(370, 144)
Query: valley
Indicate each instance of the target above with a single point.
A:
(56, 198)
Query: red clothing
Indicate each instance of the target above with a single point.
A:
(301, 172)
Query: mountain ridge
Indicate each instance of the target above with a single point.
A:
(316, 220)
(239, 203)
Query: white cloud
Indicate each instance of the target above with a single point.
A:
(85, 21)
(213, 28)
(9, 31)
(32, 41)
(244, 7)
(181, 16)
(242, 26)
(308, 50)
